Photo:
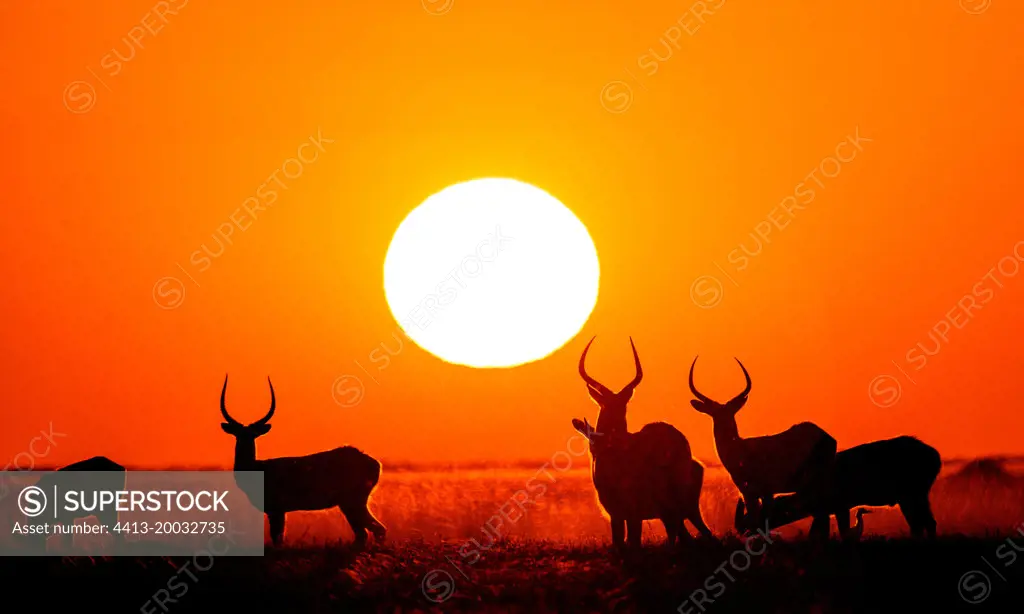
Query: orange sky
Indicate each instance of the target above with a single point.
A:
(110, 189)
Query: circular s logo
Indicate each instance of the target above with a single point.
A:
(437, 7)
(975, 7)
(79, 97)
(616, 97)
(348, 391)
(438, 586)
(706, 292)
(32, 501)
(168, 293)
(885, 391)
(974, 587)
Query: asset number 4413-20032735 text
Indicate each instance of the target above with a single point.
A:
(170, 528)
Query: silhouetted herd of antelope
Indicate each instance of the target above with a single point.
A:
(646, 475)
(651, 474)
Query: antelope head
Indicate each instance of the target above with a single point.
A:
(742, 521)
(597, 443)
(611, 417)
(716, 410)
(245, 434)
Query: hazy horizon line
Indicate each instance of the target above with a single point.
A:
(524, 463)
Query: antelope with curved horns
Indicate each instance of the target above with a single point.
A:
(799, 459)
(343, 477)
(649, 474)
(898, 471)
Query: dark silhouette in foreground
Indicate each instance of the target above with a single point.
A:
(112, 480)
(650, 474)
(343, 478)
(797, 460)
(899, 471)
(560, 572)
(873, 576)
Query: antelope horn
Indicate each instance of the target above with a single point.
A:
(746, 375)
(273, 403)
(693, 388)
(223, 407)
(639, 370)
(593, 383)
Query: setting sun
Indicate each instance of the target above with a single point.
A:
(491, 273)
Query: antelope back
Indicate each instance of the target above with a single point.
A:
(887, 469)
(783, 462)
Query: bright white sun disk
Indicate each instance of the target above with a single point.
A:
(491, 273)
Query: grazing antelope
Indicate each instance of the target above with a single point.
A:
(342, 477)
(798, 459)
(899, 471)
(783, 511)
(644, 475)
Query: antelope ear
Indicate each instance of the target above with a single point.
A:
(261, 429)
(229, 428)
(737, 404)
(596, 395)
(700, 406)
(581, 427)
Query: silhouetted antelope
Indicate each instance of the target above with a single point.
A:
(899, 471)
(113, 480)
(798, 459)
(783, 511)
(644, 475)
(342, 477)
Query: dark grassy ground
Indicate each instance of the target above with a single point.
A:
(553, 556)
(876, 575)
